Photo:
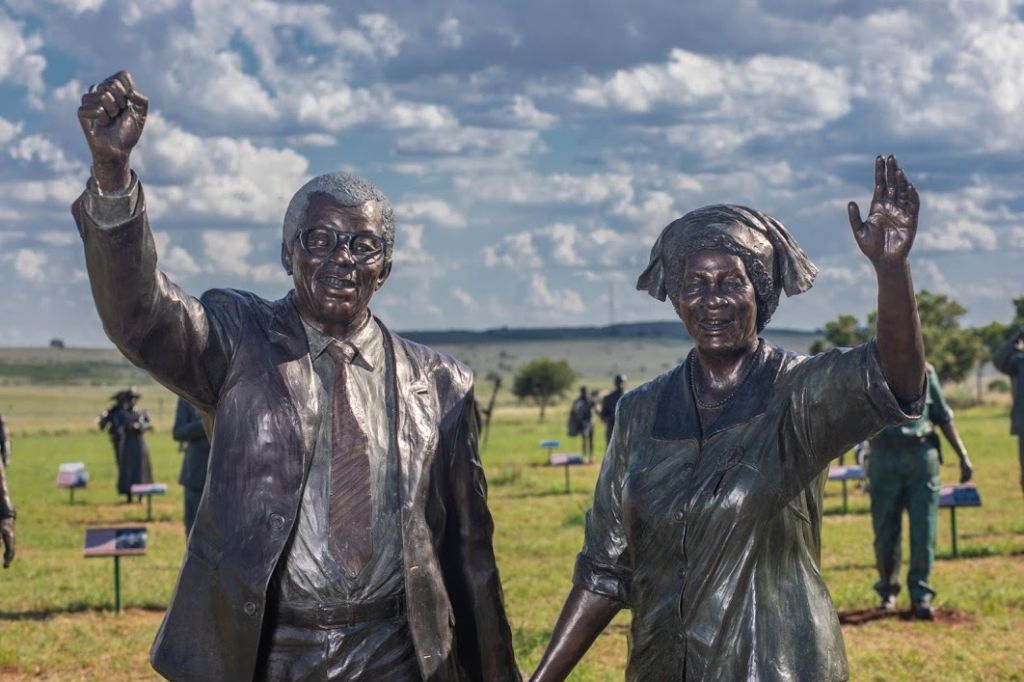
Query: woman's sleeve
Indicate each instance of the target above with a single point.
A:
(603, 565)
(836, 400)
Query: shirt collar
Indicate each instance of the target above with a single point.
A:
(366, 340)
(676, 416)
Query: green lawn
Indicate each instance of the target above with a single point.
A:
(56, 608)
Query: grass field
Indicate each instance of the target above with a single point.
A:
(56, 608)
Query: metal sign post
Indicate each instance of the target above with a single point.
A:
(72, 475)
(148, 490)
(953, 496)
(115, 542)
(565, 461)
(844, 474)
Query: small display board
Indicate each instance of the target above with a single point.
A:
(564, 460)
(72, 475)
(116, 543)
(148, 490)
(844, 473)
(107, 542)
(959, 495)
(550, 443)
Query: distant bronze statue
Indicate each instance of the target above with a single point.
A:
(707, 515)
(904, 468)
(1009, 358)
(5, 442)
(127, 426)
(608, 404)
(344, 533)
(581, 423)
(190, 433)
(7, 512)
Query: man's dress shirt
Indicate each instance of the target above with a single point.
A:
(307, 574)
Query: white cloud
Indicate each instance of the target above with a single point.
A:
(382, 33)
(228, 251)
(58, 237)
(434, 211)
(765, 95)
(471, 140)
(513, 251)
(548, 300)
(20, 60)
(220, 176)
(409, 249)
(523, 112)
(29, 264)
(464, 298)
(565, 248)
(174, 260)
(969, 219)
(9, 130)
(36, 148)
(450, 33)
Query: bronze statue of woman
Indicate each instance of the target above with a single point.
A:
(707, 515)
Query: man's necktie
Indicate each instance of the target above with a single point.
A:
(351, 522)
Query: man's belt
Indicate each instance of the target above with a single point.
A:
(330, 615)
(902, 442)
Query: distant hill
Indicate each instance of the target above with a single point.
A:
(640, 350)
(633, 330)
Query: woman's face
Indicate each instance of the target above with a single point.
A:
(715, 300)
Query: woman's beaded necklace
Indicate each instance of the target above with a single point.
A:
(721, 403)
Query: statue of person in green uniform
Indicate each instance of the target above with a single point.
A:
(904, 470)
(1009, 359)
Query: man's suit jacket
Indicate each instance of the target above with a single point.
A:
(246, 361)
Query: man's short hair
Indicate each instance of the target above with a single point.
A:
(347, 190)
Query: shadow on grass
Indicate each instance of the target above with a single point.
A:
(838, 511)
(864, 616)
(73, 608)
(850, 567)
(541, 493)
(970, 553)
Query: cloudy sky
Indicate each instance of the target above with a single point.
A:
(533, 149)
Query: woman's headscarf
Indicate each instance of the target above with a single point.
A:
(774, 261)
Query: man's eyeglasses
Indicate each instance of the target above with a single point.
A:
(322, 243)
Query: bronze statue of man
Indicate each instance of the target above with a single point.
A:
(1009, 359)
(7, 513)
(344, 532)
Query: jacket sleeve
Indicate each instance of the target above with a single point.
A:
(603, 565)
(153, 322)
(482, 634)
(834, 401)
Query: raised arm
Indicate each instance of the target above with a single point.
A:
(153, 322)
(886, 237)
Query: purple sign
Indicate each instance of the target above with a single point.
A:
(959, 495)
(106, 542)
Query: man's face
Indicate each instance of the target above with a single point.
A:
(333, 291)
